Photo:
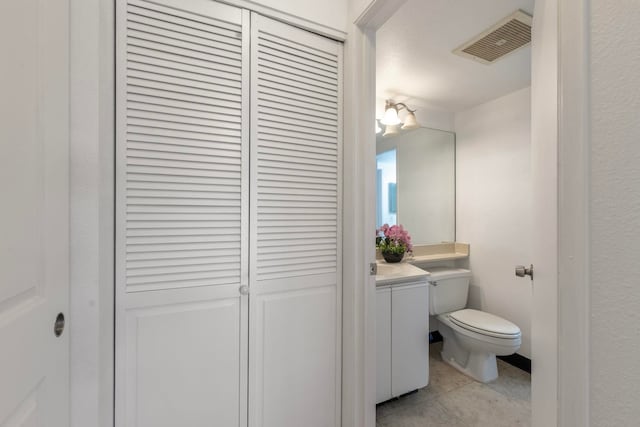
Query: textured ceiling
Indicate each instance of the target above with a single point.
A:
(414, 58)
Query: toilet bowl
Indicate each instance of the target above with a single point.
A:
(472, 347)
(471, 338)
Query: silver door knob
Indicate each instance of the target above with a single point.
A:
(58, 325)
(522, 271)
(244, 290)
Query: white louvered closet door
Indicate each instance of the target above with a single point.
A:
(182, 214)
(295, 259)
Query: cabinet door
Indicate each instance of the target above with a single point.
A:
(295, 272)
(383, 344)
(409, 338)
(182, 213)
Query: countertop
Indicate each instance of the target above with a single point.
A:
(391, 274)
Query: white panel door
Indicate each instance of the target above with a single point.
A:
(409, 337)
(34, 218)
(182, 214)
(295, 274)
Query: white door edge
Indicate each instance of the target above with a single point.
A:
(573, 227)
(359, 292)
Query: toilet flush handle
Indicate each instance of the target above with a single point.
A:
(522, 271)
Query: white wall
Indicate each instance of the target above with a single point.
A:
(434, 118)
(615, 213)
(493, 210)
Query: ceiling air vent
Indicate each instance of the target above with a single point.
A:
(505, 37)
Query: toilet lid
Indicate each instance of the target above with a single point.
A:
(484, 323)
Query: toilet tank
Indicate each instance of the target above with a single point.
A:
(449, 289)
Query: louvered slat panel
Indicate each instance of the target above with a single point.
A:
(206, 32)
(279, 46)
(226, 47)
(293, 145)
(183, 79)
(308, 74)
(174, 262)
(182, 173)
(295, 155)
(266, 95)
(299, 81)
(292, 87)
(184, 148)
(298, 157)
(295, 192)
(169, 103)
(136, 259)
(297, 174)
(179, 149)
(182, 158)
(181, 247)
(161, 55)
(280, 131)
(292, 112)
(183, 182)
(140, 133)
(167, 10)
(301, 248)
(141, 66)
(190, 230)
(310, 125)
(162, 106)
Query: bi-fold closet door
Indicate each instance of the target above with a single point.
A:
(228, 290)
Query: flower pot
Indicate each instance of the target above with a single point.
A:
(392, 256)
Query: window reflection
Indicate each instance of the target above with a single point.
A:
(386, 197)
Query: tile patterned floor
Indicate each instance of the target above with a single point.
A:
(454, 400)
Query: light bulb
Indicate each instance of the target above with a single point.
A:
(410, 122)
(391, 130)
(390, 117)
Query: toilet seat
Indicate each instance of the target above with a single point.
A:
(484, 323)
(473, 339)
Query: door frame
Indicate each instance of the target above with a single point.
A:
(92, 204)
(570, 358)
(359, 292)
(92, 211)
(574, 143)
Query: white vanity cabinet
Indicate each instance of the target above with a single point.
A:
(402, 338)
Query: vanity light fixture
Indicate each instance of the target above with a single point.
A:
(391, 130)
(392, 121)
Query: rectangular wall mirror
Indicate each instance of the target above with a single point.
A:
(416, 184)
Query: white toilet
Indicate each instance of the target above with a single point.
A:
(472, 338)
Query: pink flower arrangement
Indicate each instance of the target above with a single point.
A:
(393, 239)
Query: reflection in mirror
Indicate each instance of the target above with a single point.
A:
(418, 168)
(386, 188)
